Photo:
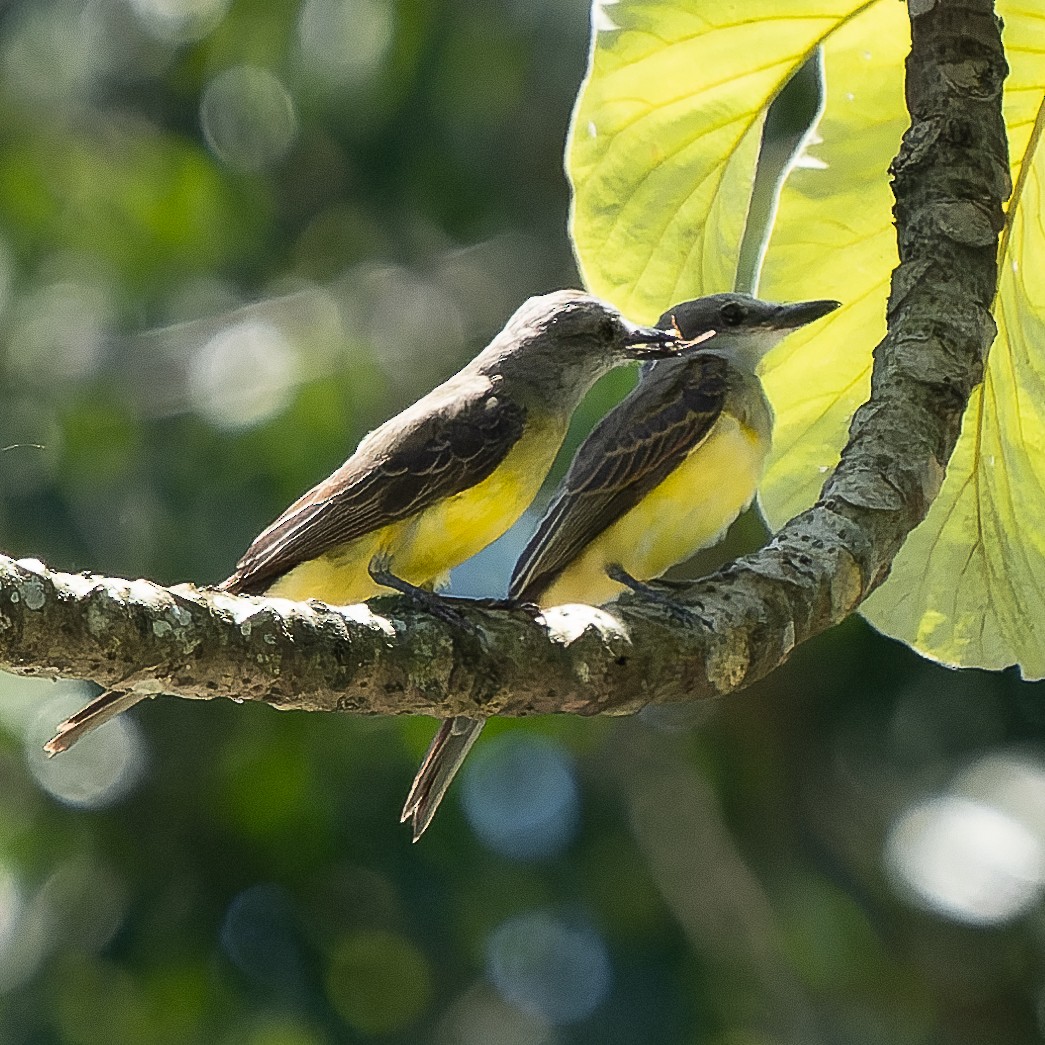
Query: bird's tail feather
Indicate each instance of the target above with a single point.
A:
(99, 711)
(445, 755)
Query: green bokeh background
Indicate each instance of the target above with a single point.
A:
(211, 285)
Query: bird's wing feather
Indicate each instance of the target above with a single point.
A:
(444, 444)
(630, 452)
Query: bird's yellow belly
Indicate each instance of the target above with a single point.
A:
(424, 548)
(691, 509)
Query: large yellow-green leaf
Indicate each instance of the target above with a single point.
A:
(660, 156)
(665, 138)
(968, 588)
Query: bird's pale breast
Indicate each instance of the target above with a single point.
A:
(424, 548)
(691, 509)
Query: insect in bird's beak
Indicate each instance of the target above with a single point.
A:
(652, 342)
(655, 343)
(688, 343)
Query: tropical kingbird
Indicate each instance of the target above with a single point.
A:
(439, 481)
(663, 475)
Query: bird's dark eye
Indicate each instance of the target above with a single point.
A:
(732, 314)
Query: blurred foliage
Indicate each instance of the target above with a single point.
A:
(234, 236)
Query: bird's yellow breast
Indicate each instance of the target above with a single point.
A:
(691, 509)
(425, 547)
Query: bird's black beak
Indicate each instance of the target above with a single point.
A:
(654, 343)
(791, 317)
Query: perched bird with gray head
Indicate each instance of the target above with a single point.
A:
(667, 471)
(439, 481)
(663, 475)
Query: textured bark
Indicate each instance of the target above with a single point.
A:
(951, 179)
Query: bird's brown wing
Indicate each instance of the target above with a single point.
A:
(630, 452)
(442, 445)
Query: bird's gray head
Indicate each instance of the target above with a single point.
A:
(567, 340)
(746, 328)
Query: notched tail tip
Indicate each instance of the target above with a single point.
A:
(66, 734)
(418, 812)
(417, 826)
(58, 743)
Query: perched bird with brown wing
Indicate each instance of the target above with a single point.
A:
(439, 481)
(663, 475)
